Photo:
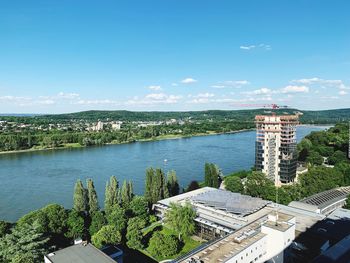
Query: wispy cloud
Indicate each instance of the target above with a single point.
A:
(295, 89)
(336, 83)
(230, 84)
(189, 81)
(257, 46)
(155, 87)
(154, 98)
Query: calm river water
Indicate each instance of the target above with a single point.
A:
(31, 180)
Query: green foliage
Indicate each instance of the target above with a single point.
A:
(139, 207)
(127, 193)
(80, 201)
(37, 215)
(212, 175)
(117, 218)
(314, 158)
(27, 239)
(337, 157)
(233, 184)
(319, 179)
(92, 197)
(192, 186)
(156, 185)
(106, 235)
(134, 234)
(172, 183)
(347, 203)
(75, 224)
(23, 258)
(258, 185)
(56, 217)
(98, 220)
(181, 219)
(161, 245)
(111, 194)
(4, 228)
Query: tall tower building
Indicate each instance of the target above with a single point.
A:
(276, 147)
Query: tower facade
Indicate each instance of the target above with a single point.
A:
(276, 147)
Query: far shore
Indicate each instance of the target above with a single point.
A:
(159, 138)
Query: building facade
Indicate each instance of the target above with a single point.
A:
(276, 147)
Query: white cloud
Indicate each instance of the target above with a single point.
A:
(97, 102)
(174, 84)
(231, 84)
(342, 92)
(337, 83)
(188, 81)
(262, 91)
(295, 89)
(68, 95)
(154, 98)
(258, 46)
(247, 47)
(204, 95)
(155, 87)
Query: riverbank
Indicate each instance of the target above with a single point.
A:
(158, 138)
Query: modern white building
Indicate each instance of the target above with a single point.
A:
(275, 147)
(263, 240)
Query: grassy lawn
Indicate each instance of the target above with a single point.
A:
(188, 243)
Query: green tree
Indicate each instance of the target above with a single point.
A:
(139, 207)
(92, 197)
(134, 233)
(98, 220)
(258, 185)
(37, 215)
(117, 218)
(192, 186)
(233, 184)
(314, 158)
(181, 219)
(56, 217)
(27, 239)
(4, 228)
(111, 194)
(127, 193)
(148, 184)
(207, 176)
(172, 183)
(80, 197)
(23, 258)
(75, 224)
(106, 235)
(162, 246)
(347, 203)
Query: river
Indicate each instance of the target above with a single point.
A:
(32, 180)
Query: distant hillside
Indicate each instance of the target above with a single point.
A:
(317, 117)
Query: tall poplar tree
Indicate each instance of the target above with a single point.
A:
(148, 184)
(111, 194)
(92, 197)
(172, 183)
(126, 192)
(80, 197)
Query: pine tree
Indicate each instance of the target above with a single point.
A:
(215, 172)
(111, 194)
(92, 197)
(80, 197)
(172, 183)
(24, 240)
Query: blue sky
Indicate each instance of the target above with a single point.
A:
(66, 56)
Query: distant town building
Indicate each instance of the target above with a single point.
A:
(275, 148)
(116, 125)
